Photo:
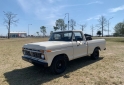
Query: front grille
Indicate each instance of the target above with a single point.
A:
(32, 49)
(33, 53)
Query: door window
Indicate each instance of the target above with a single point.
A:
(77, 36)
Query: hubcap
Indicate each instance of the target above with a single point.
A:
(60, 64)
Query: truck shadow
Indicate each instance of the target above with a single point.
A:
(36, 75)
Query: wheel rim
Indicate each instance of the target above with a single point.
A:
(60, 65)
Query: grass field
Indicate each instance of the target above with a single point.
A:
(108, 70)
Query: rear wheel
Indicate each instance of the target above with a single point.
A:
(95, 54)
(58, 65)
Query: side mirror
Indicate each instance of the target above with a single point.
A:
(88, 38)
(79, 39)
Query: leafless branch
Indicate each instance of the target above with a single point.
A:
(9, 20)
(102, 23)
(83, 26)
(72, 23)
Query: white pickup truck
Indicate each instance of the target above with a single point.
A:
(62, 47)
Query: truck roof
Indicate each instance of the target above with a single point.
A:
(69, 31)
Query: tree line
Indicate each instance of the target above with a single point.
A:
(10, 19)
(60, 25)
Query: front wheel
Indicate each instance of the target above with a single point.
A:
(95, 54)
(58, 65)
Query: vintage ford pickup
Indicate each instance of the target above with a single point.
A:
(62, 47)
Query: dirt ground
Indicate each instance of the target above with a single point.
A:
(108, 70)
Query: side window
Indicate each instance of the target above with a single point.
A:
(57, 36)
(67, 36)
(77, 36)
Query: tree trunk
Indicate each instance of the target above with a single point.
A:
(8, 33)
(9, 30)
(102, 30)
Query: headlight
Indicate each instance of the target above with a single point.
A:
(48, 50)
(42, 56)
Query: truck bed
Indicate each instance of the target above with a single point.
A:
(95, 43)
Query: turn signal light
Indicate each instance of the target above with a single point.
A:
(48, 51)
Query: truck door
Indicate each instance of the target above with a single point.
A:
(79, 45)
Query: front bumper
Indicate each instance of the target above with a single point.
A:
(35, 60)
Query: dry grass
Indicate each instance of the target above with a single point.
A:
(108, 70)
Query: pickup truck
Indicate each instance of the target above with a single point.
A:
(62, 47)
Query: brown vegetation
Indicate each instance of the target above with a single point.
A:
(109, 69)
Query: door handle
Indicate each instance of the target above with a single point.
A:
(78, 44)
(85, 42)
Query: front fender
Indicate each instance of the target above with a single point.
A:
(50, 55)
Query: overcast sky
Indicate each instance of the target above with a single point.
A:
(46, 12)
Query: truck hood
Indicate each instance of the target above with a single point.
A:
(48, 45)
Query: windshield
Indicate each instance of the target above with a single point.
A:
(61, 36)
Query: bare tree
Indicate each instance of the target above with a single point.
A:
(37, 33)
(43, 30)
(83, 26)
(102, 23)
(10, 19)
(72, 23)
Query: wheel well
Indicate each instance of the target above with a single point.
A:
(64, 55)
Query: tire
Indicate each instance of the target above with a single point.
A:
(58, 65)
(95, 54)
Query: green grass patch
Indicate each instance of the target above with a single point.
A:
(112, 39)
